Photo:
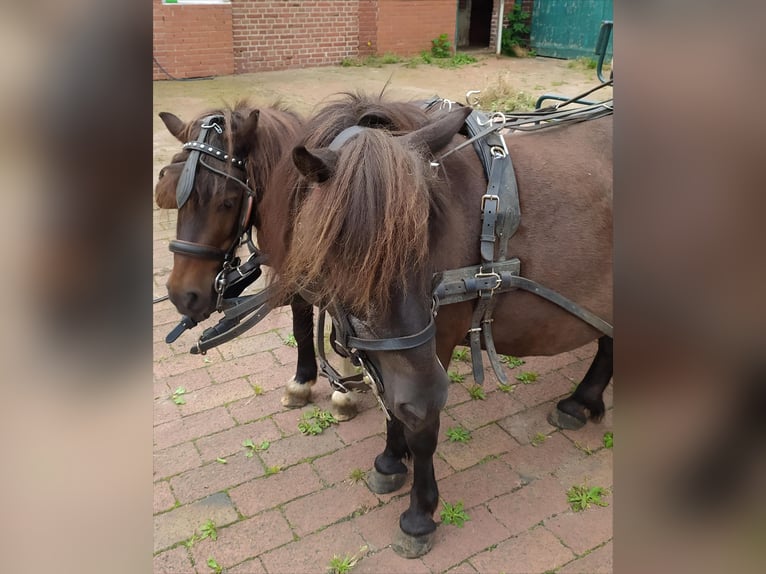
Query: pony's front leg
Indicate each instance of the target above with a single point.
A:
(588, 399)
(416, 524)
(389, 473)
(298, 391)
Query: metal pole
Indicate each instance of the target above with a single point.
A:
(499, 38)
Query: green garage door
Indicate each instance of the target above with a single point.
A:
(568, 28)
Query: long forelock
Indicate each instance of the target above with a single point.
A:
(364, 232)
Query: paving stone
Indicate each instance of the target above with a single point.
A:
(585, 530)
(475, 414)
(314, 552)
(534, 461)
(380, 525)
(180, 523)
(463, 568)
(290, 450)
(337, 467)
(257, 406)
(487, 441)
(191, 427)
(229, 442)
(388, 561)
(253, 566)
(174, 460)
(453, 545)
(244, 346)
(550, 387)
(367, 423)
(165, 410)
(456, 394)
(239, 367)
(205, 480)
(525, 425)
(163, 497)
(594, 470)
(192, 380)
(328, 506)
(529, 505)
(269, 491)
(597, 562)
(591, 436)
(246, 539)
(175, 561)
(532, 552)
(216, 395)
(543, 365)
(479, 483)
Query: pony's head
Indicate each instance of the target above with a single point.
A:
(361, 243)
(214, 183)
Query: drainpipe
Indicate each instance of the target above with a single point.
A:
(500, 26)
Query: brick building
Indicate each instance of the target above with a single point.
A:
(195, 38)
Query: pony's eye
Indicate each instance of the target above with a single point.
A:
(162, 173)
(228, 203)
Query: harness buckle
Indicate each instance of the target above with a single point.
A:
(487, 197)
(484, 275)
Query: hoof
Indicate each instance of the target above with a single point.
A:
(343, 405)
(562, 420)
(381, 483)
(408, 546)
(297, 394)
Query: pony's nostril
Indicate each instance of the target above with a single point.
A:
(191, 298)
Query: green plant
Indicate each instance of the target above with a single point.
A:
(258, 390)
(454, 514)
(527, 377)
(516, 32)
(583, 448)
(583, 62)
(343, 565)
(427, 57)
(273, 469)
(214, 566)
(511, 361)
(441, 47)
(477, 393)
(456, 61)
(253, 448)
(357, 475)
(208, 530)
(506, 388)
(177, 396)
(538, 439)
(290, 341)
(581, 497)
(460, 354)
(609, 439)
(458, 434)
(351, 63)
(389, 58)
(316, 421)
(221, 460)
(455, 377)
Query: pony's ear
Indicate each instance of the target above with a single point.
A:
(438, 134)
(175, 125)
(251, 125)
(317, 165)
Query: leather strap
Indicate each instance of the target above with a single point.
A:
(193, 249)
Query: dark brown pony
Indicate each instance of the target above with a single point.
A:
(374, 220)
(212, 214)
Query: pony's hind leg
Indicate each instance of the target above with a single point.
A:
(588, 399)
(390, 473)
(298, 390)
(416, 524)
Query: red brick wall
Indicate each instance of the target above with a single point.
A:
(406, 27)
(192, 41)
(279, 34)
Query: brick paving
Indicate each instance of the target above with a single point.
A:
(296, 519)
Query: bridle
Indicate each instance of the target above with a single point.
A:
(233, 272)
(346, 343)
